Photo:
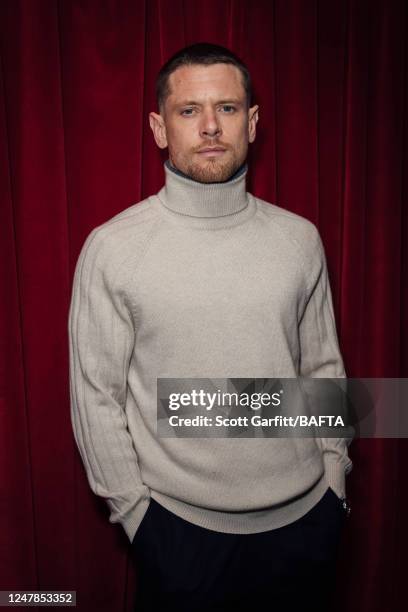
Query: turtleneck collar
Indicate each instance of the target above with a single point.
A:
(184, 196)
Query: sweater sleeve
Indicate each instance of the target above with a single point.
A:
(320, 357)
(101, 340)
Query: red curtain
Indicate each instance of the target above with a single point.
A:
(77, 83)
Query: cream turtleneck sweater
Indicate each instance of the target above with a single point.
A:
(200, 280)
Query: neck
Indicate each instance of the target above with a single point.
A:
(186, 197)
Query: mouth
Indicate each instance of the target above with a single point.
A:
(211, 151)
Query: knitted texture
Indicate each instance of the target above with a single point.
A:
(200, 281)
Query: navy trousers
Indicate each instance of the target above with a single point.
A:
(183, 567)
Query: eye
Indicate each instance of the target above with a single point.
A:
(230, 107)
(189, 111)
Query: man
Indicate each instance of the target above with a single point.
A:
(205, 280)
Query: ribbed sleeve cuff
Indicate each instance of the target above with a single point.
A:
(335, 476)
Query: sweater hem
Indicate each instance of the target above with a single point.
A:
(245, 522)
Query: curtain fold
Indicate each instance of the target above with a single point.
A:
(77, 81)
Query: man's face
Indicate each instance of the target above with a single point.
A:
(206, 108)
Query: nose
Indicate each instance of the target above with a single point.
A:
(210, 126)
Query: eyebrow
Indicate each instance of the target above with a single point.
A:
(193, 102)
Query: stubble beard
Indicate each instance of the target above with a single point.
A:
(212, 170)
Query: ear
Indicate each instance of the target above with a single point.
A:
(253, 116)
(159, 129)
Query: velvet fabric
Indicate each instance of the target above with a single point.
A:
(76, 85)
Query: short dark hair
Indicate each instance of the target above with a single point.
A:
(204, 54)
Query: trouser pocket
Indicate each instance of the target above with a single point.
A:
(336, 501)
(143, 523)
